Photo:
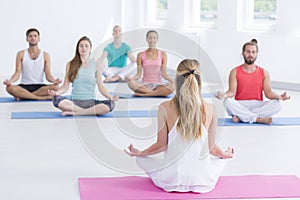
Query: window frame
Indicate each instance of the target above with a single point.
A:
(195, 14)
(246, 15)
(151, 19)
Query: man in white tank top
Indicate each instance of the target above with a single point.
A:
(32, 63)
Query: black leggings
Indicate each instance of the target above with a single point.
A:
(84, 103)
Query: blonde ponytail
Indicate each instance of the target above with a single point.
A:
(188, 100)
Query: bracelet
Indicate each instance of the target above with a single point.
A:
(225, 95)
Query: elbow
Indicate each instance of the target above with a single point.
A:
(231, 93)
(215, 151)
(161, 148)
(48, 78)
(212, 151)
(268, 94)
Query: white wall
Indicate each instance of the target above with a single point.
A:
(63, 22)
(60, 22)
(278, 50)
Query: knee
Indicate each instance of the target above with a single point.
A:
(131, 84)
(227, 102)
(171, 87)
(56, 100)
(11, 89)
(54, 87)
(106, 109)
(111, 106)
(276, 105)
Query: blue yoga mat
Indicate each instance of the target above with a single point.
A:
(56, 115)
(13, 100)
(130, 96)
(277, 121)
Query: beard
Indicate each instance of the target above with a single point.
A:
(33, 44)
(249, 61)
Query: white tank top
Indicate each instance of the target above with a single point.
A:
(32, 70)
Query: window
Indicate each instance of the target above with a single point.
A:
(204, 13)
(208, 11)
(264, 12)
(161, 9)
(258, 15)
(157, 11)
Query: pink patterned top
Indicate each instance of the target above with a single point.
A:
(152, 68)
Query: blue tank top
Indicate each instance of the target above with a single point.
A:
(85, 82)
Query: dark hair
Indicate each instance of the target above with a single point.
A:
(252, 42)
(32, 30)
(152, 31)
(76, 62)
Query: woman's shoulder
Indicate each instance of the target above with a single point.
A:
(167, 106)
(209, 107)
(159, 51)
(167, 111)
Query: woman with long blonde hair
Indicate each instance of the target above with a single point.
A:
(186, 135)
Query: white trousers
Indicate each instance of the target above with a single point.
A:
(120, 71)
(250, 110)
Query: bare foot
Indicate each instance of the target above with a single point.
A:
(106, 80)
(236, 119)
(266, 120)
(67, 113)
(18, 98)
(48, 97)
(138, 94)
(149, 94)
(112, 79)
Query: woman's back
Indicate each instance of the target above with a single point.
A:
(186, 134)
(171, 113)
(187, 164)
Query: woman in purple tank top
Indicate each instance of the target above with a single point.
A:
(152, 63)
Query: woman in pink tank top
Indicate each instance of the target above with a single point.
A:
(152, 63)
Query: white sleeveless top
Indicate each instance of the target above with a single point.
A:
(32, 70)
(186, 166)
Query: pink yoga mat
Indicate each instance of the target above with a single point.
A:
(228, 187)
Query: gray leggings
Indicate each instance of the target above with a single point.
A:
(84, 103)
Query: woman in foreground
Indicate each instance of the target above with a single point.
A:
(186, 134)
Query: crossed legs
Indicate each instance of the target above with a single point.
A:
(69, 108)
(114, 74)
(142, 90)
(251, 110)
(40, 94)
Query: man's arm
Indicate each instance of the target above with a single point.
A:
(102, 57)
(47, 70)
(267, 88)
(131, 56)
(232, 86)
(16, 75)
